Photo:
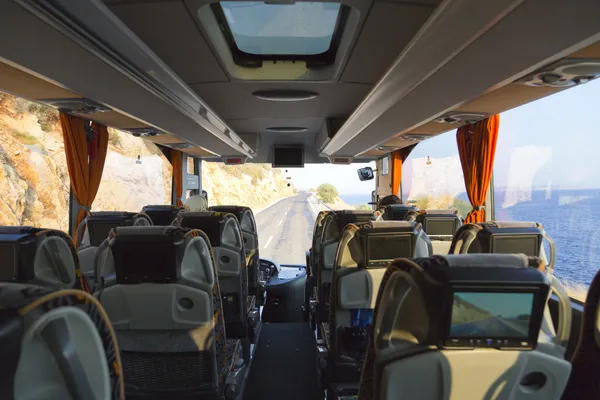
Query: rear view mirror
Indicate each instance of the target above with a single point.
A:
(366, 174)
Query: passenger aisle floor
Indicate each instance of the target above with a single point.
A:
(284, 367)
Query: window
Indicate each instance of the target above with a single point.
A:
(546, 170)
(432, 176)
(129, 185)
(385, 165)
(34, 181)
(257, 31)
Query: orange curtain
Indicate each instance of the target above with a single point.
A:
(398, 157)
(176, 163)
(477, 149)
(85, 160)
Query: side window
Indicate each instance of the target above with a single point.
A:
(136, 173)
(432, 176)
(546, 170)
(34, 181)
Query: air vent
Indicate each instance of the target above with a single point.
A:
(341, 160)
(76, 106)
(287, 129)
(565, 73)
(143, 132)
(285, 95)
(461, 118)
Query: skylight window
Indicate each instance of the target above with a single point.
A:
(302, 28)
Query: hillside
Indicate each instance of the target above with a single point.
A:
(34, 182)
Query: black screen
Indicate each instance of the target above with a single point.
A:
(491, 315)
(389, 247)
(8, 262)
(163, 217)
(440, 226)
(210, 226)
(527, 245)
(99, 230)
(288, 156)
(152, 259)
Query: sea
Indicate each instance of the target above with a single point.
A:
(571, 217)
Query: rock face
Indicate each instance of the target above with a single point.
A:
(34, 181)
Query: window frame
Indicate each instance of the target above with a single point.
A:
(250, 60)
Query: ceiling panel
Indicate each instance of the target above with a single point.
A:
(235, 100)
(389, 27)
(170, 31)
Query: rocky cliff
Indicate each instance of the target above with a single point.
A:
(34, 182)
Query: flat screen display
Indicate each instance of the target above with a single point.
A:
(491, 315)
(288, 157)
(388, 247)
(8, 266)
(440, 226)
(527, 245)
(99, 230)
(162, 217)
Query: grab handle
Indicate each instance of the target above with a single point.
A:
(563, 330)
(552, 252)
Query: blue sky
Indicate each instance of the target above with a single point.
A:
(562, 129)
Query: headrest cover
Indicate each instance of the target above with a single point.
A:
(148, 254)
(439, 222)
(501, 237)
(161, 215)
(41, 256)
(99, 224)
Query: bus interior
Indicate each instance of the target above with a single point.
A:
(393, 302)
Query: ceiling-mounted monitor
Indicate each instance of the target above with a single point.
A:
(288, 156)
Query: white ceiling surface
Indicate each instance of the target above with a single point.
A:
(436, 60)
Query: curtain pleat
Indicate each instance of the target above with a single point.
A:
(397, 159)
(477, 150)
(176, 162)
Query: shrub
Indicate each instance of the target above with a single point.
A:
(114, 138)
(327, 193)
(25, 138)
(461, 206)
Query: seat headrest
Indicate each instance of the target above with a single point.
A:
(412, 305)
(41, 256)
(499, 237)
(439, 222)
(222, 229)
(162, 215)
(148, 254)
(99, 224)
(395, 225)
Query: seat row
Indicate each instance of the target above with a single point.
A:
(177, 297)
(347, 262)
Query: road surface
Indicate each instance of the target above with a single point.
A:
(285, 230)
(493, 327)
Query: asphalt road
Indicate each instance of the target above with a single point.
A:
(493, 327)
(285, 230)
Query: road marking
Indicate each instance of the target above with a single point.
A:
(280, 222)
(268, 241)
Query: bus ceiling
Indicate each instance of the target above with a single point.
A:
(358, 97)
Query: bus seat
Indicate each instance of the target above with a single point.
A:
(584, 382)
(398, 212)
(311, 267)
(440, 226)
(166, 308)
(333, 226)
(247, 224)
(96, 227)
(56, 344)
(161, 215)
(43, 257)
(411, 342)
(364, 252)
(223, 231)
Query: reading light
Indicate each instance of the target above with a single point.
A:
(284, 95)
